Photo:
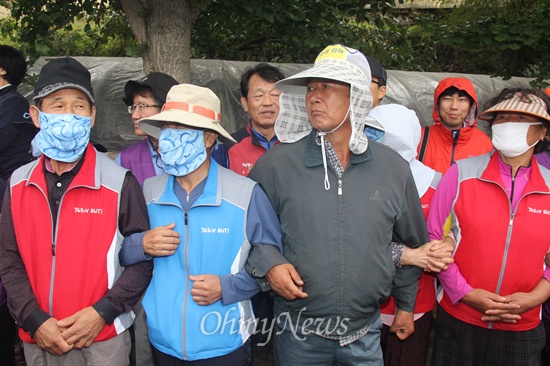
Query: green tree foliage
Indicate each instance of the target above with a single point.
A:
(396, 40)
(77, 28)
(496, 37)
(280, 30)
(275, 30)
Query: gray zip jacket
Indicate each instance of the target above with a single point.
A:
(341, 245)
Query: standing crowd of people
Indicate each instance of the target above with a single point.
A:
(334, 224)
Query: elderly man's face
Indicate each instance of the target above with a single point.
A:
(65, 101)
(209, 136)
(262, 102)
(327, 103)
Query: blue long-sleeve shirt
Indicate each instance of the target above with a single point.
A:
(262, 227)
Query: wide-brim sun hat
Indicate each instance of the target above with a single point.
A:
(528, 104)
(335, 62)
(191, 106)
(338, 63)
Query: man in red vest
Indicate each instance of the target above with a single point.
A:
(260, 100)
(65, 218)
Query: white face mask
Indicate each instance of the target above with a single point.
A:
(510, 138)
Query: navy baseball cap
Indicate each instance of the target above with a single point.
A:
(63, 73)
(377, 70)
(159, 83)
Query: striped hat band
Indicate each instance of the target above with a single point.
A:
(529, 104)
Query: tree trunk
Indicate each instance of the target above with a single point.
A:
(163, 29)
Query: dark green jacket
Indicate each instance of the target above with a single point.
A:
(341, 244)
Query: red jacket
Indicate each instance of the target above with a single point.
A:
(499, 251)
(70, 266)
(442, 148)
(244, 154)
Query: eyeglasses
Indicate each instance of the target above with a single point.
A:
(140, 107)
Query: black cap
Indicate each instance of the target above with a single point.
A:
(159, 83)
(63, 73)
(377, 70)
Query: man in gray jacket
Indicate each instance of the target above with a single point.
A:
(342, 200)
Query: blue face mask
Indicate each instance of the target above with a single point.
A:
(63, 137)
(182, 151)
(373, 133)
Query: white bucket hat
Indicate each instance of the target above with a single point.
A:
(189, 105)
(402, 132)
(335, 62)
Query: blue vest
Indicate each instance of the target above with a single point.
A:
(213, 241)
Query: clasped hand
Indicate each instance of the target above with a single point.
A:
(433, 256)
(496, 308)
(76, 331)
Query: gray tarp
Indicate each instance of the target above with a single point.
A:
(113, 128)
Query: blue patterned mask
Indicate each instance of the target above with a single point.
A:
(182, 151)
(373, 133)
(63, 137)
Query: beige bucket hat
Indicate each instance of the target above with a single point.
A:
(189, 105)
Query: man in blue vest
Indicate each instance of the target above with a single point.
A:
(197, 305)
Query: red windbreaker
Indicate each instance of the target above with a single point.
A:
(443, 148)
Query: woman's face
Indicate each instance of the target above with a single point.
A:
(535, 132)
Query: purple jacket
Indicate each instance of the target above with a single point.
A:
(137, 159)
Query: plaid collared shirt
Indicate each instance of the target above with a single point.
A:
(332, 157)
(344, 340)
(339, 170)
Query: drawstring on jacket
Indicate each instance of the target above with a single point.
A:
(323, 150)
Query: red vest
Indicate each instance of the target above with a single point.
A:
(244, 154)
(496, 251)
(70, 266)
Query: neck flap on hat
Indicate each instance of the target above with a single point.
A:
(293, 124)
(337, 63)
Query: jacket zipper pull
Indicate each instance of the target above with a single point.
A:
(185, 218)
(339, 186)
(53, 249)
